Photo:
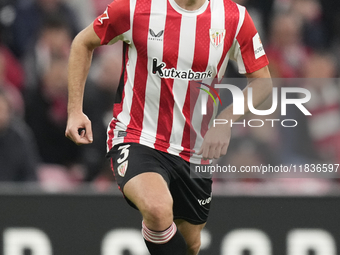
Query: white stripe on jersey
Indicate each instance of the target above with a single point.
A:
(185, 58)
(217, 8)
(153, 84)
(242, 11)
(238, 57)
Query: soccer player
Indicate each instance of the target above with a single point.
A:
(157, 130)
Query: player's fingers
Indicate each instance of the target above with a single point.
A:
(203, 150)
(69, 133)
(224, 149)
(73, 135)
(88, 132)
(218, 151)
(77, 135)
(205, 153)
(200, 151)
(82, 132)
(212, 151)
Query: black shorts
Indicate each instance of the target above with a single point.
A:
(191, 196)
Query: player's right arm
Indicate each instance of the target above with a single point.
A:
(79, 128)
(108, 28)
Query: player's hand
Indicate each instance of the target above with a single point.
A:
(215, 142)
(79, 129)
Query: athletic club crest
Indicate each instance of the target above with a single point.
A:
(122, 168)
(216, 36)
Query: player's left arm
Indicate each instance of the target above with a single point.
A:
(216, 140)
(249, 54)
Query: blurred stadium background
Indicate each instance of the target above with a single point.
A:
(58, 198)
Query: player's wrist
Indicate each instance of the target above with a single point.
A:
(227, 114)
(75, 112)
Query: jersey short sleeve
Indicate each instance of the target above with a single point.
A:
(114, 22)
(248, 50)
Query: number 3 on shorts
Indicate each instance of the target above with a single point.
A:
(124, 152)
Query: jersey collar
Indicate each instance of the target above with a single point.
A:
(187, 12)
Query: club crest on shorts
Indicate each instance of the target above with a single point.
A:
(216, 36)
(122, 168)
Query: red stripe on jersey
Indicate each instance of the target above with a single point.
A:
(231, 21)
(166, 104)
(140, 38)
(110, 135)
(200, 62)
(247, 31)
(202, 42)
(118, 12)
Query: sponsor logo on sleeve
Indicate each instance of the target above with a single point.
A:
(104, 16)
(258, 47)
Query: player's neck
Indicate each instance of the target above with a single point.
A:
(190, 5)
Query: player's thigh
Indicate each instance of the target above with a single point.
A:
(146, 189)
(140, 175)
(149, 192)
(191, 233)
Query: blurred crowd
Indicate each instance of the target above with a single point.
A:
(301, 39)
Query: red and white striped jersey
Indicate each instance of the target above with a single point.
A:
(166, 50)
